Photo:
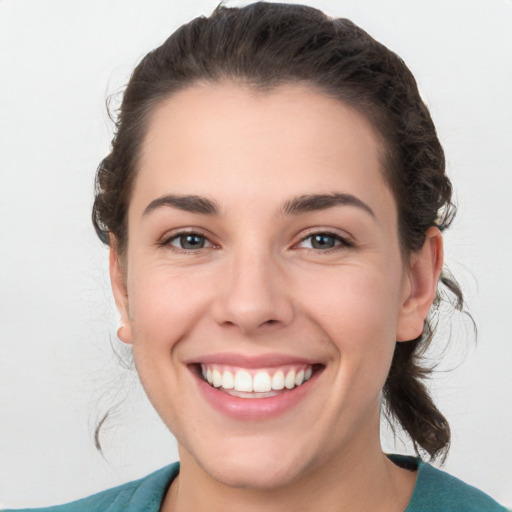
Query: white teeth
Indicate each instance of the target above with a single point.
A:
(289, 381)
(278, 380)
(228, 382)
(262, 382)
(216, 378)
(243, 381)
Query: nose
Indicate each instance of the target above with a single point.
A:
(253, 294)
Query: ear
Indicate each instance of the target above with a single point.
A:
(420, 286)
(118, 282)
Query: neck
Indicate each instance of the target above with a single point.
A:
(368, 481)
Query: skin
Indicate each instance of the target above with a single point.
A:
(259, 286)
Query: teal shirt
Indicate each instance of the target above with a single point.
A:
(435, 491)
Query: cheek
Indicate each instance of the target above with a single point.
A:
(164, 309)
(361, 300)
(358, 312)
(164, 305)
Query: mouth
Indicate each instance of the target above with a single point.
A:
(249, 388)
(254, 383)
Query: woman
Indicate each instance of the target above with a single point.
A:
(273, 203)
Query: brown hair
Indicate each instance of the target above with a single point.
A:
(265, 45)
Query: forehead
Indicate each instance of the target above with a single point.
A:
(231, 141)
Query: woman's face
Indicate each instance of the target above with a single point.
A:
(262, 251)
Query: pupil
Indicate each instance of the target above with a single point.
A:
(322, 242)
(192, 242)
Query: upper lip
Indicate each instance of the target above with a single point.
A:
(251, 361)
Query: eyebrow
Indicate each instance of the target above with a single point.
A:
(301, 204)
(317, 202)
(187, 203)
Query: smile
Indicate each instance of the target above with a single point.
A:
(248, 388)
(255, 383)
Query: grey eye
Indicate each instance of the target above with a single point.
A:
(323, 241)
(189, 241)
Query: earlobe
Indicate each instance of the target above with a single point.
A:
(424, 271)
(118, 282)
(124, 333)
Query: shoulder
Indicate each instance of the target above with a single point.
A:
(437, 490)
(143, 494)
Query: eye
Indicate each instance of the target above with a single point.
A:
(323, 241)
(189, 241)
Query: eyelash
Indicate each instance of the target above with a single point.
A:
(339, 241)
(167, 242)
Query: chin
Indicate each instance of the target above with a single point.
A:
(257, 465)
(258, 476)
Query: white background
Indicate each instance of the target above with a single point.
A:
(58, 61)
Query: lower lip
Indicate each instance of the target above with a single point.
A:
(255, 408)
